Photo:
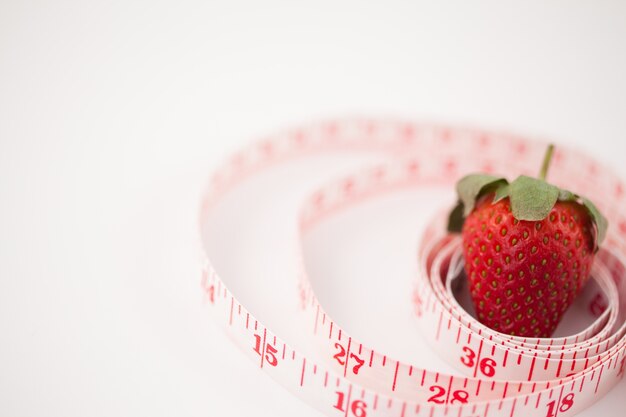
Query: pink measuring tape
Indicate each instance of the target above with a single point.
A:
(499, 375)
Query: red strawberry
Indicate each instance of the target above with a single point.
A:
(528, 249)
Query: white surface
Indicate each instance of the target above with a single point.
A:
(111, 115)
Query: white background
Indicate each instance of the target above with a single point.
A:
(113, 113)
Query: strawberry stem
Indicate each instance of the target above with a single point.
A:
(546, 162)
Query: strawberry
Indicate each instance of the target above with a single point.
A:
(528, 248)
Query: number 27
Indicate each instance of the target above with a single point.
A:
(342, 354)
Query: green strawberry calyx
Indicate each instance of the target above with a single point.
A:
(531, 199)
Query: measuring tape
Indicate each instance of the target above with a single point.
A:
(500, 375)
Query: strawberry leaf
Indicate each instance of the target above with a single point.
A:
(501, 193)
(565, 195)
(456, 219)
(531, 198)
(601, 222)
(472, 186)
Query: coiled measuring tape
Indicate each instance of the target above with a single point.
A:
(498, 375)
